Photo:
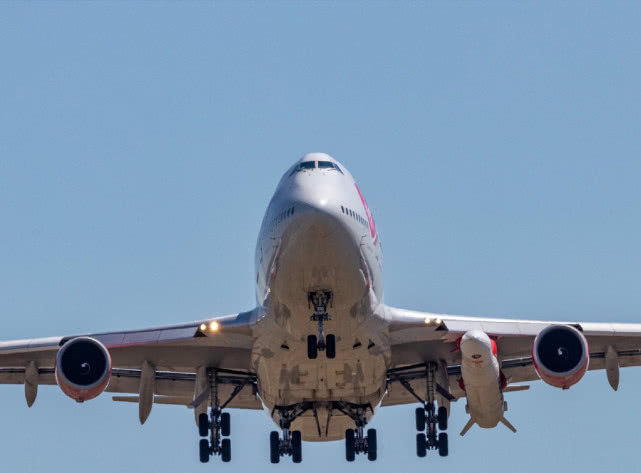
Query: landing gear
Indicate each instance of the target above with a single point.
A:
(291, 441)
(218, 429)
(429, 420)
(217, 425)
(355, 439)
(355, 443)
(320, 301)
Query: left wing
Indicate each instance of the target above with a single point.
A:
(417, 337)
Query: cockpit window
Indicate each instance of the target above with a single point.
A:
(328, 165)
(311, 165)
(307, 165)
(304, 166)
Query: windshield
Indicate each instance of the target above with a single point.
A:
(304, 166)
(328, 165)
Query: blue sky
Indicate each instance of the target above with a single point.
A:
(497, 144)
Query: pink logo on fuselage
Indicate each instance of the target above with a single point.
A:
(370, 219)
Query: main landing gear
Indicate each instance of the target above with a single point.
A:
(356, 441)
(218, 429)
(429, 419)
(215, 428)
(320, 301)
(291, 441)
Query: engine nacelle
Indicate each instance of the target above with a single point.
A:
(83, 368)
(561, 356)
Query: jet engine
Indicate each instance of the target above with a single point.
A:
(83, 368)
(560, 355)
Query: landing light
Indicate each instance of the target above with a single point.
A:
(213, 326)
(203, 327)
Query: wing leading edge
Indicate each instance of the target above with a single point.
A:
(176, 353)
(418, 337)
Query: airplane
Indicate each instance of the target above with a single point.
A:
(321, 351)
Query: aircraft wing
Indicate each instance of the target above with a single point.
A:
(417, 337)
(175, 351)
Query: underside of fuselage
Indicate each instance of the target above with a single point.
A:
(318, 251)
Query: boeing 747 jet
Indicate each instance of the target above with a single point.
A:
(321, 351)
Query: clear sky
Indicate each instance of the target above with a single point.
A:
(498, 145)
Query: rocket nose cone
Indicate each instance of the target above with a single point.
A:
(475, 342)
(475, 335)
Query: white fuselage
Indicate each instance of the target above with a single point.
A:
(318, 234)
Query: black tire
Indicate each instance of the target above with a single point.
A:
(350, 445)
(274, 447)
(372, 445)
(312, 347)
(204, 450)
(225, 424)
(330, 341)
(420, 419)
(421, 445)
(203, 425)
(297, 446)
(443, 449)
(225, 447)
(442, 418)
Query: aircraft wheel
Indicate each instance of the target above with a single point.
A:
(225, 424)
(312, 347)
(330, 340)
(371, 445)
(420, 419)
(297, 447)
(225, 447)
(421, 445)
(442, 418)
(203, 425)
(350, 445)
(443, 449)
(204, 450)
(274, 447)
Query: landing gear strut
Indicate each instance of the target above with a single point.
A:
(429, 419)
(320, 301)
(217, 425)
(291, 441)
(356, 441)
(218, 429)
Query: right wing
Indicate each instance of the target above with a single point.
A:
(176, 353)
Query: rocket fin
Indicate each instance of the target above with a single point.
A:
(468, 426)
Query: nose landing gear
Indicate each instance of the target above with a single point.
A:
(320, 301)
